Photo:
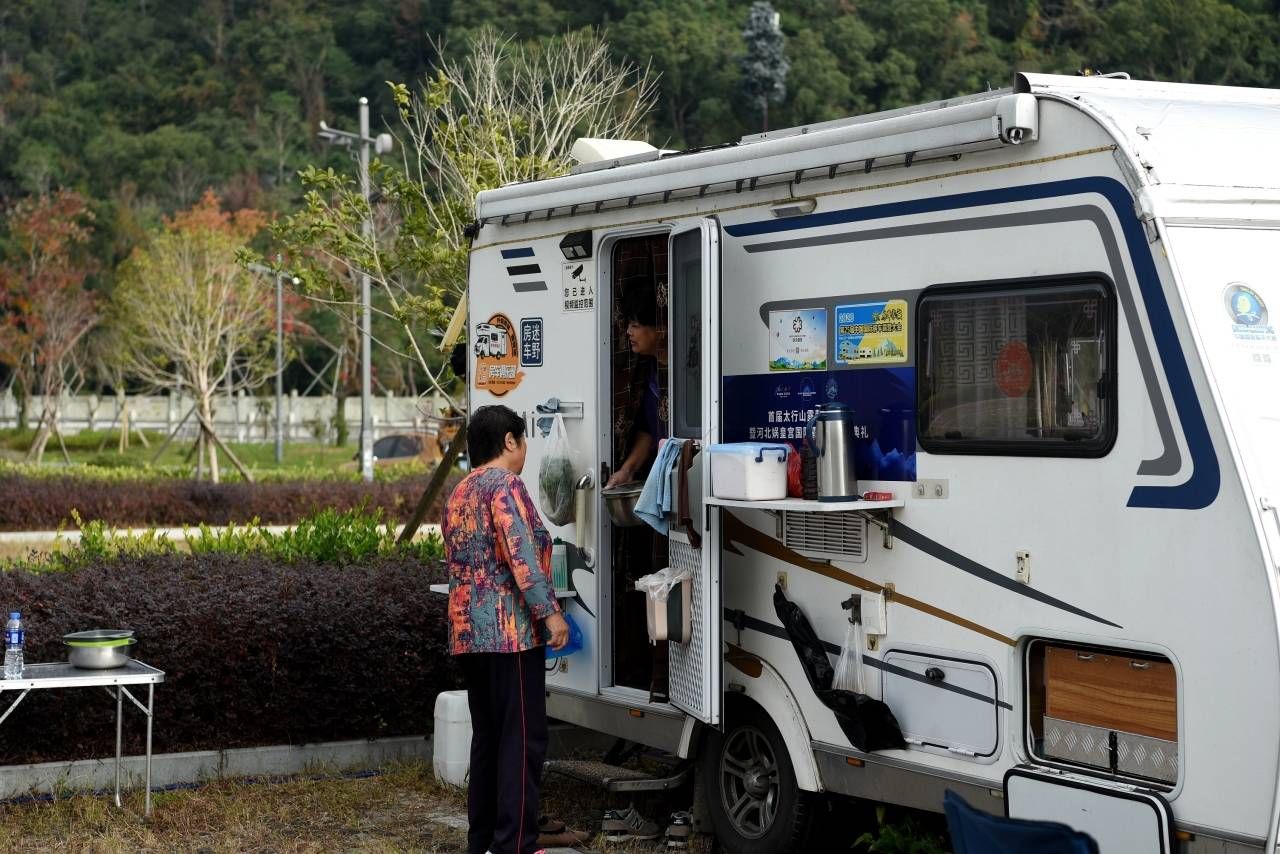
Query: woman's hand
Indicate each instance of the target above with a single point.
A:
(559, 629)
(621, 476)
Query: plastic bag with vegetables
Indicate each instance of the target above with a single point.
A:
(555, 476)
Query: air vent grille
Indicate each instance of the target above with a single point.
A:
(836, 536)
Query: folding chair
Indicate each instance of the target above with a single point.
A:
(976, 832)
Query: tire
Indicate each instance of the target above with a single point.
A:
(752, 797)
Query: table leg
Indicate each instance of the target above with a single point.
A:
(119, 741)
(151, 698)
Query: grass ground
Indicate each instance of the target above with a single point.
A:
(83, 448)
(399, 810)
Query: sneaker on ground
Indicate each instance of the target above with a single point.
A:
(679, 830)
(628, 826)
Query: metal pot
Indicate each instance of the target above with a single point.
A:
(621, 500)
(97, 637)
(100, 657)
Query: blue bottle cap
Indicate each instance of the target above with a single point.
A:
(15, 615)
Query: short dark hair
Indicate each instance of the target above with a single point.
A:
(487, 431)
(640, 303)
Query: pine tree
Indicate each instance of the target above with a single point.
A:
(765, 64)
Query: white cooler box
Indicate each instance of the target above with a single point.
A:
(749, 471)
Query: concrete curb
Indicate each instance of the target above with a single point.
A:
(199, 766)
(173, 769)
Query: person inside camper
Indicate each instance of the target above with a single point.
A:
(647, 341)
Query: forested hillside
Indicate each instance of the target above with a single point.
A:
(140, 105)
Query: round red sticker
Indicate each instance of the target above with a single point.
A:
(1013, 369)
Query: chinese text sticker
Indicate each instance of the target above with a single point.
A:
(577, 286)
(798, 340)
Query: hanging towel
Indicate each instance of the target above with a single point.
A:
(654, 505)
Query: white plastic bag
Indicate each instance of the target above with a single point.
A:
(848, 676)
(658, 585)
(664, 623)
(555, 476)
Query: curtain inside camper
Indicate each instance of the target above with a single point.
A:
(1016, 366)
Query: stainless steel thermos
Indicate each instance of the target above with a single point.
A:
(830, 435)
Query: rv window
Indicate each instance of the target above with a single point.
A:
(686, 331)
(1018, 368)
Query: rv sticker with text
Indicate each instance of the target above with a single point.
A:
(577, 290)
(798, 340)
(497, 349)
(872, 333)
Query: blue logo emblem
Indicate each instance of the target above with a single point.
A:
(833, 389)
(806, 389)
(1245, 306)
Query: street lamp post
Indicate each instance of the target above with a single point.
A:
(381, 145)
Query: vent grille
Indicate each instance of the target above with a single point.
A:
(836, 536)
(688, 684)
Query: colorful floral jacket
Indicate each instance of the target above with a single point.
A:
(499, 557)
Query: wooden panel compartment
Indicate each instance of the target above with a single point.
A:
(1126, 693)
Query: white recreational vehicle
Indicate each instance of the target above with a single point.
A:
(1048, 307)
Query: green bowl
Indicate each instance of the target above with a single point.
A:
(100, 643)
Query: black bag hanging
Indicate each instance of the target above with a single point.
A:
(868, 723)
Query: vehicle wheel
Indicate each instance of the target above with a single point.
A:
(752, 796)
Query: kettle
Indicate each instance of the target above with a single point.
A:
(830, 436)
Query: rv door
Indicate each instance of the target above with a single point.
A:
(694, 363)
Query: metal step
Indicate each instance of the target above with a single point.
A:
(615, 778)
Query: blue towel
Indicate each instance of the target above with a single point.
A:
(656, 500)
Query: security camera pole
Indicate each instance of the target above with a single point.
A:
(381, 145)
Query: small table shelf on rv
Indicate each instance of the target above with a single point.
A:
(878, 513)
(444, 590)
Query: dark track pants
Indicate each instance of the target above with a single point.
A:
(506, 693)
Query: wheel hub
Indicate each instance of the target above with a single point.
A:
(749, 782)
(756, 782)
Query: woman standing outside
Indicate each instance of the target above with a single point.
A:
(502, 609)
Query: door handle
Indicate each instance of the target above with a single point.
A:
(1268, 505)
(935, 674)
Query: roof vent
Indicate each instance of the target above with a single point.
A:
(593, 154)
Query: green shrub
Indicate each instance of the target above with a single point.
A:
(327, 537)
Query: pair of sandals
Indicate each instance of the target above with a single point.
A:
(553, 832)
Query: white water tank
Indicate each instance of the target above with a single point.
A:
(451, 742)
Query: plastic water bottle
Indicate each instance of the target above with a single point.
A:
(14, 637)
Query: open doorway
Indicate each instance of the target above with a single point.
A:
(639, 419)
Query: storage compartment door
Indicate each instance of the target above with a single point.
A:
(943, 703)
(694, 278)
(1135, 822)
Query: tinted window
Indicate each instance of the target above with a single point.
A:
(686, 334)
(1018, 368)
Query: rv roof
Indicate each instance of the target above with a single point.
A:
(1182, 134)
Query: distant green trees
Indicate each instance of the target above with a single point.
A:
(140, 106)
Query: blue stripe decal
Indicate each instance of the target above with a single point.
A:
(1198, 491)
(522, 252)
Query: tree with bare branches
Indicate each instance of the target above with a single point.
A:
(45, 308)
(504, 112)
(190, 318)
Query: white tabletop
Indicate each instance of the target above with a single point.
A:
(60, 674)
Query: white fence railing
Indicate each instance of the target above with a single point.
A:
(239, 418)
